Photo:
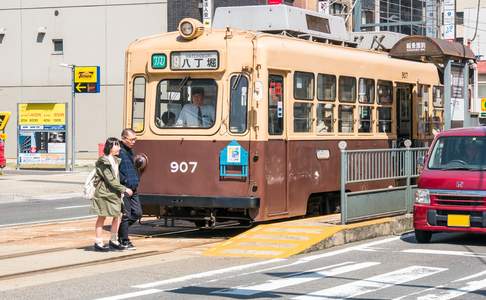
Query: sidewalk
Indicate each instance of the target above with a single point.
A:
(26, 185)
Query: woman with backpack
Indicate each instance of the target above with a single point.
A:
(107, 196)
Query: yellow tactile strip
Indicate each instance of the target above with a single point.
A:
(280, 240)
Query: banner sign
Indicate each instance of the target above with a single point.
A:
(42, 136)
(87, 79)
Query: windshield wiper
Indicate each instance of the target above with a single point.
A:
(458, 168)
(183, 83)
(235, 84)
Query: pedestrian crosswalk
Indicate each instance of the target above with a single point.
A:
(383, 269)
(398, 278)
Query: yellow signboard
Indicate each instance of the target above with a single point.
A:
(483, 104)
(4, 116)
(42, 114)
(86, 74)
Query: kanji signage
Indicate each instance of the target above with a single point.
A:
(194, 60)
(86, 79)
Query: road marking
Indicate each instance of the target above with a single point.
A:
(444, 252)
(47, 221)
(206, 274)
(243, 267)
(74, 206)
(132, 295)
(471, 276)
(372, 284)
(446, 293)
(295, 279)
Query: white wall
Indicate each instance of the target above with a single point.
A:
(94, 33)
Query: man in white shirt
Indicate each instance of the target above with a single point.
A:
(196, 114)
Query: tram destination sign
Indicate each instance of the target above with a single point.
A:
(194, 60)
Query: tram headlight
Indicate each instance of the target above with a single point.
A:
(141, 162)
(190, 28)
(422, 196)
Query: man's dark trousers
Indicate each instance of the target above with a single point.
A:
(132, 211)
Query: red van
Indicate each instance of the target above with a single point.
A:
(451, 194)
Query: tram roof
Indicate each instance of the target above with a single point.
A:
(424, 48)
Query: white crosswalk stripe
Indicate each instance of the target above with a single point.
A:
(372, 284)
(296, 279)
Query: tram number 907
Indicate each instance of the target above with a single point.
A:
(183, 166)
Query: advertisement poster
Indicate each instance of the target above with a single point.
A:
(42, 136)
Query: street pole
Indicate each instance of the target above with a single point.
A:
(73, 113)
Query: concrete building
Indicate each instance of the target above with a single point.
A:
(37, 36)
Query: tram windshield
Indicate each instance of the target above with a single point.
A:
(459, 153)
(186, 103)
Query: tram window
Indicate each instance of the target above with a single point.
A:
(302, 117)
(138, 104)
(423, 127)
(325, 117)
(366, 90)
(385, 92)
(346, 118)
(347, 89)
(384, 119)
(186, 103)
(326, 87)
(438, 94)
(364, 119)
(303, 86)
(239, 103)
(437, 124)
(275, 105)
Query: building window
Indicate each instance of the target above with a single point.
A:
(459, 18)
(303, 86)
(58, 46)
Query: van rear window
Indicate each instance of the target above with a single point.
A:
(459, 153)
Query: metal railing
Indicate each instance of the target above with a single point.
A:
(370, 165)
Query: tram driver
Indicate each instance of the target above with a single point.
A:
(196, 114)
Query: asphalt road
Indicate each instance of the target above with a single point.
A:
(42, 210)
(451, 267)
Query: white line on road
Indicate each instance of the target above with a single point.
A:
(446, 293)
(207, 274)
(372, 284)
(243, 267)
(444, 252)
(132, 295)
(47, 221)
(295, 279)
(74, 206)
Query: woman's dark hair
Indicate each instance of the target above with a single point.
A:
(110, 142)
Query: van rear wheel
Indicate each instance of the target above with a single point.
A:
(422, 236)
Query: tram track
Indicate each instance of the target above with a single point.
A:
(125, 257)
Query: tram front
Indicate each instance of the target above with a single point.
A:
(188, 99)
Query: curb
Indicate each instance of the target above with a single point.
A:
(365, 230)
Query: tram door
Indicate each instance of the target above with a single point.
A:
(404, 112)
(276, 149)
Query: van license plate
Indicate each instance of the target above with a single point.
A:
(458, 221)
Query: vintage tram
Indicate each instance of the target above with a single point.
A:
(244, 125)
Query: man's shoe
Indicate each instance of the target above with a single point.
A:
(128, 245)
(116, 247)
(100, 248)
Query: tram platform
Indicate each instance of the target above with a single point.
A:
(284, 239)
